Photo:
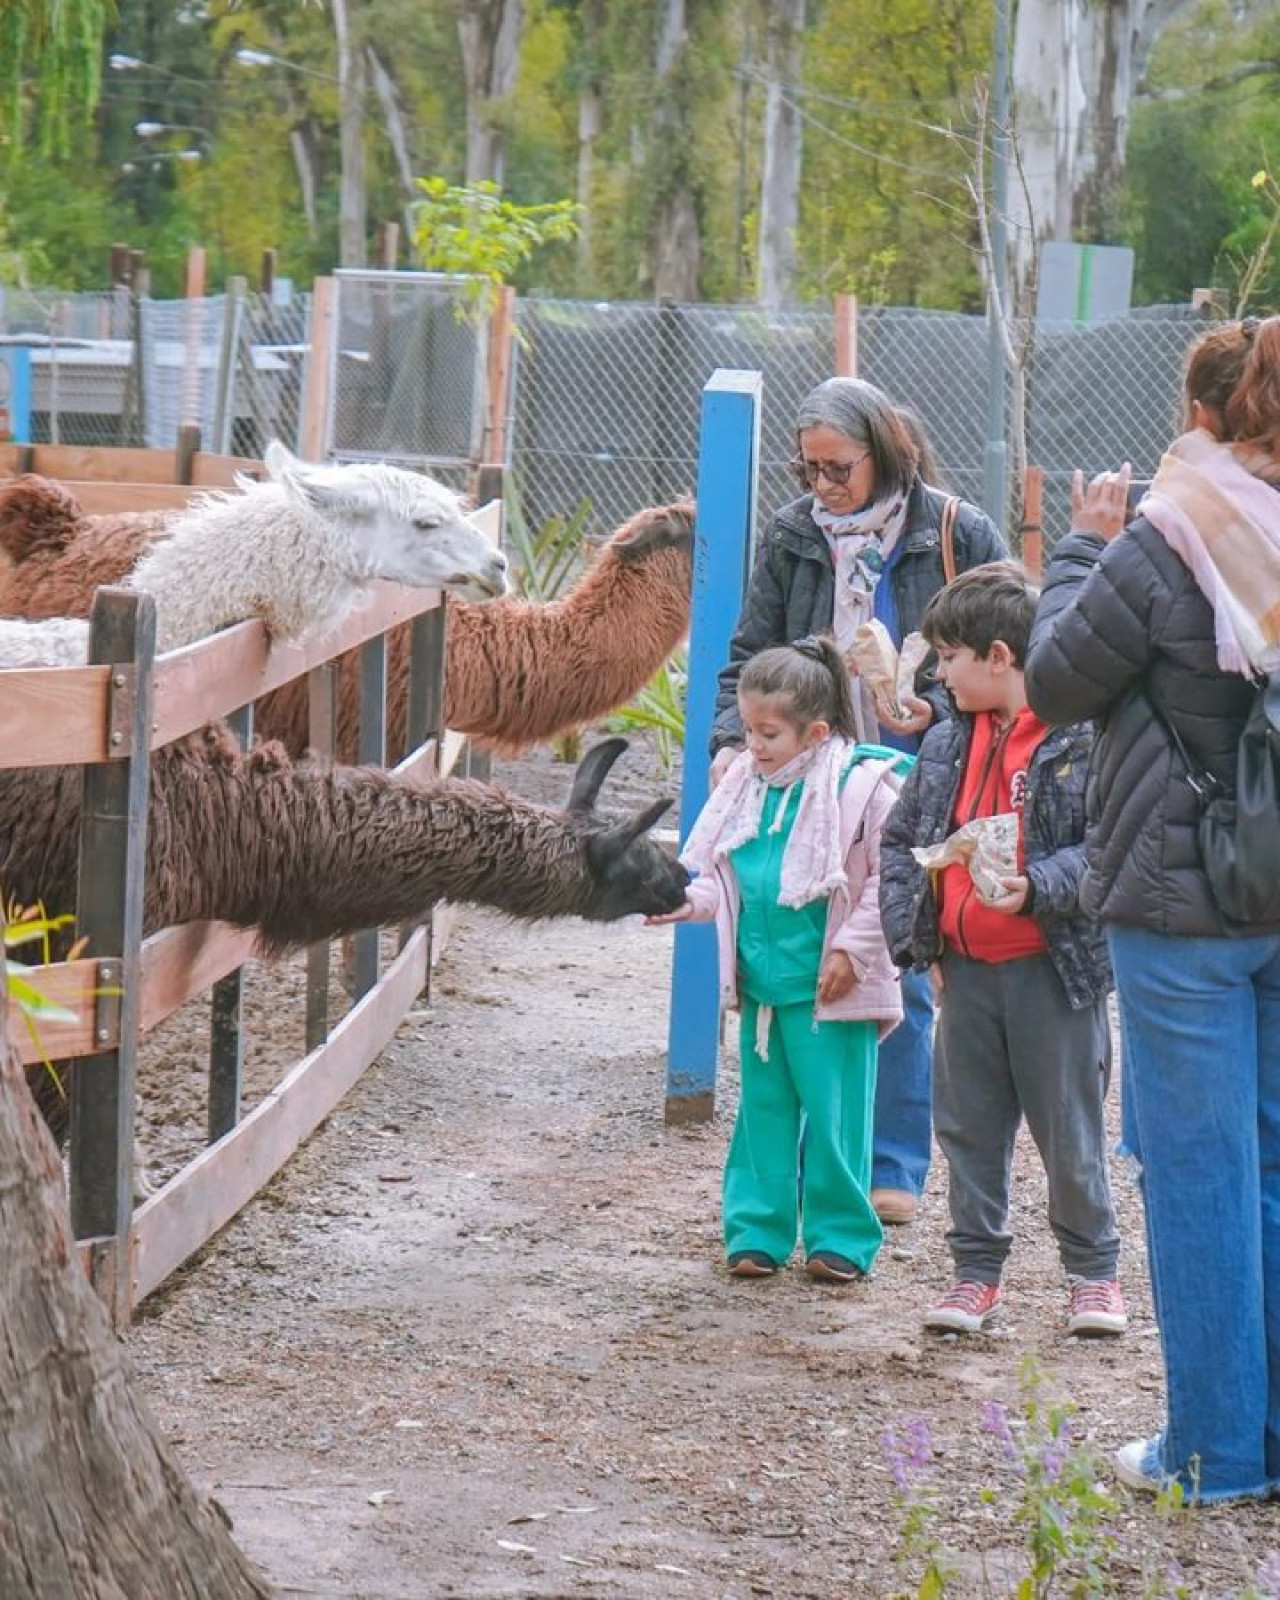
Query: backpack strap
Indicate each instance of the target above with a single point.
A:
(947, 530)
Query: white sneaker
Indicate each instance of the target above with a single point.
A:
(1128, 1461)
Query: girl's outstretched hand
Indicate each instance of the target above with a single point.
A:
(680, 914)
(836, 978)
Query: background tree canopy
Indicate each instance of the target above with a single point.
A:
(651, 116)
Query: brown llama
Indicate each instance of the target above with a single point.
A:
(517, 672)
(305, 851)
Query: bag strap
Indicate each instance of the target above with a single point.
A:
(1203, 784)
(947, 529)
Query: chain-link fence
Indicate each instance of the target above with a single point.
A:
(408, 379)
(605, 398)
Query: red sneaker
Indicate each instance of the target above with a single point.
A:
(966, 1307)
(1097, 1308)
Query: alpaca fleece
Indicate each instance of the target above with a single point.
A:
(304, 852)
(516, 672)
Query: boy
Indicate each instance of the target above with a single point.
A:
(1022, 1026)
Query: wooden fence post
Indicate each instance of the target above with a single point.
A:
(110, 890)
(226, 1012)
(495, 449)
(846, 336)
(1031, 531)
(372, 752)
(322, 735)
(317, 381)
(728, 453)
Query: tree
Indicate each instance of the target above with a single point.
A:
(1075, 67)
(92, 1503)
(50, 68)
(783, 145)
(489, 32)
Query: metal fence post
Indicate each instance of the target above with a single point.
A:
(110, 890)
(729, 445)
(226, 1013)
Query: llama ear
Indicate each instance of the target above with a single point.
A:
(655, 528)
(593, 769)
(333, 491)
(278, 460)
(620, 838)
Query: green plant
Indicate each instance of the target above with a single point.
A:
(546, 558)
(659, 709)
(471, 229)
(25, 926)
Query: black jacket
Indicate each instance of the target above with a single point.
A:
(1115, 624)
(792, 590)
(1053, 827)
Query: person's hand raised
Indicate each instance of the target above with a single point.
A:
(1102, 508)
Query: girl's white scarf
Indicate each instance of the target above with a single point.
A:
(1215, 507)
(813, 861)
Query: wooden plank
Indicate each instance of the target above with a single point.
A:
(205, 1195)
(66, 983)
(180, 963)
(496, 446)
(210, 471)
(177, 965)
(99, 463)
(100, 498)
(1031, 533)
(317, 376)
(202, 681)
(53, 716)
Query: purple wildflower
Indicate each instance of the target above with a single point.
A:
(995, 1421)
(1269, 1576)
(1053, 1457)
(909, 1453)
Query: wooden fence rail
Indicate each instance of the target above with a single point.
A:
(108, 717)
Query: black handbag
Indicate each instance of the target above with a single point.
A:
(1240, 836)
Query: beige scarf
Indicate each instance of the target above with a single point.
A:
(1216, 506)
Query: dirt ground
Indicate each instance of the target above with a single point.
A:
(478, 1339)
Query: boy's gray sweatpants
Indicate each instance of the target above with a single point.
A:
(1009, 1045)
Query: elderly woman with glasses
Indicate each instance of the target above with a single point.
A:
(864, 541)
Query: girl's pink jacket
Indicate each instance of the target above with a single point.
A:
(853, 915)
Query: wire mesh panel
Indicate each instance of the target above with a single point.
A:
(83, 373)
(181, 349)
(409, 370)
(266, 393)
(1103, 393)
(608, 395)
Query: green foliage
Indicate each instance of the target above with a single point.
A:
(50, 71)
(546, 557)
(471, 229)
(659, 709)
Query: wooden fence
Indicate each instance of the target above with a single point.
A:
(109, 716)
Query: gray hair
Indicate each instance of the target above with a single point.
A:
(865, 414)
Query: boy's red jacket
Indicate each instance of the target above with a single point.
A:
(994, 783)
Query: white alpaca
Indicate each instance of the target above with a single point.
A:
(296, 551)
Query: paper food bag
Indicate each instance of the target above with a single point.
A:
(888, 673)
(988, 846)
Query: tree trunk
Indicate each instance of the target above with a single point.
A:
(489, 32)
(92, 1504)
(676, 249)
(783, 139)
(301, 144)
(1075, 64)
(384, 86)
(352, 207)
(590, 126)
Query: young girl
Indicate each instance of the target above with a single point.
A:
(787, 861)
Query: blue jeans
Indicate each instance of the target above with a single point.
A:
(904, 1094)
(1201, 1027)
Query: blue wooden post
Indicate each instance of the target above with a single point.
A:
(727, 454)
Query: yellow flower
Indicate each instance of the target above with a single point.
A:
(1260, 177)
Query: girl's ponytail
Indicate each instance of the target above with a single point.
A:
(821, 648)
(1253, 411)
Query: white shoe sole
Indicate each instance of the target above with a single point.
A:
(1126, 1465)
(958, 1322)
(1097, 1325)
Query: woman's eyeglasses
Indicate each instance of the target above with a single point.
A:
(836, 473)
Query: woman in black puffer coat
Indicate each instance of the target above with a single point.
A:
(1131, 619)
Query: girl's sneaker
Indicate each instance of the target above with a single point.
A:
(751, 1264)
(829, 1267)
(966, 1307)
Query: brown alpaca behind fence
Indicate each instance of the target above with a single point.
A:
(517, 672)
